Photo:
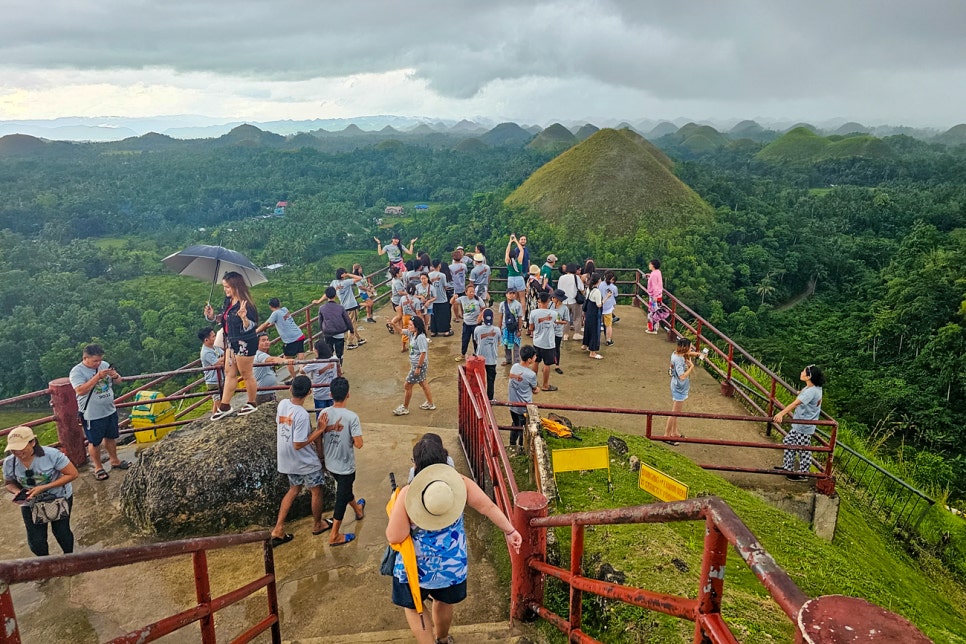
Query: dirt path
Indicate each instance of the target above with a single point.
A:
(328, 592)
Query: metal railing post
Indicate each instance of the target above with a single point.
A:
(576, 570)
(63, 400)
(727, 387)
(672, 335)
(308, 328)
(10, 633)
(711, 582)
(272, 592)
(203, 594)
(527, 585)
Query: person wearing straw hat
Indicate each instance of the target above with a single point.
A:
(35, 474)
(430, 510)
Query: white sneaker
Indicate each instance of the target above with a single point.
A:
(400, 410)
(651, 331)
(427, 406)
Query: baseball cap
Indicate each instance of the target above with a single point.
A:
(551, 258)
(488, 316)
(560, 294)
(19, 438)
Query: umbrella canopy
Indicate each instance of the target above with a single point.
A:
(407, 550)
(212, 262)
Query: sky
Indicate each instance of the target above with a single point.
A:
(897, 62)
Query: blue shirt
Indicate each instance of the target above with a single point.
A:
(46, 468)
(287, 328)
(679, 388)
(810, 408)
(440, 557)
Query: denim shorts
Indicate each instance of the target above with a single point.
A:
(315, 479)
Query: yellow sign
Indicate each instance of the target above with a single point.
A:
(581, 458)
(661, 485)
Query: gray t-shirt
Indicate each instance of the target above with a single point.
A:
(418, 345)
(321, 373)
(608, 304)
(521, 390)
(398, 290)
(458, 271)
(543, 321)
(472, 308)
(438, 284)
(481, 277)
(343, 289)
(487, 340)
(286, 326)
(563, 314)
(340, 457)
(45, 469)
(209, 356)
(393, 252)
(264, 376)
(101, 403)
(292, 423)
(679, 388)
(809, 409)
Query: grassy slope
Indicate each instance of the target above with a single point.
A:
(864, 561)
(801, 146)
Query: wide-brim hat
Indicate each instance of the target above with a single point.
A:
(19, 438)
(534, 269)
(436, 497)
(478, 257)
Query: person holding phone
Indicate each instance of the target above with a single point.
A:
(93, 380)
(33, 473)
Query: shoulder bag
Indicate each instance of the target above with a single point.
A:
(579, 297)
(42, 512)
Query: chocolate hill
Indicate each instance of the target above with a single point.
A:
(615, 181)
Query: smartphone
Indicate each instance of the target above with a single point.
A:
(21, 496)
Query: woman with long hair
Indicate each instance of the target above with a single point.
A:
(240, 319)
(367, 291)
(397, 291)
(395, 250)
(418, 366)
(680, 370)
(592, 308)
(806, 406)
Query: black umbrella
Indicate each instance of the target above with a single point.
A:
(211, 262)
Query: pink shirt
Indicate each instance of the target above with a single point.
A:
(655, 284)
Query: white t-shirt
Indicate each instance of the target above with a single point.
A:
(293, 426)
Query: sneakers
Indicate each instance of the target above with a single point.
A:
(287, 381)
(246, 409)
(401, 410)
(371, 320)
(651, 331)
(558, 370)
(352, 346)
(428, 406)
(609, 343)
(222, 413)
(616, 319)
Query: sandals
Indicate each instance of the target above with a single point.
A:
(328, 526)
(246, 409)
(362, 504)
(597, 356)
(101, 475)
(277, 541)
(550, 388)
(222, 413)
(349, 538)
(123, 465)
(390, 327)
(447, 334)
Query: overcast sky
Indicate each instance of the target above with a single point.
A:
(532, 61)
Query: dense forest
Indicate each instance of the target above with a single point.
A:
(854, 263)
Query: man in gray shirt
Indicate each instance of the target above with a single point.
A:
(342, 436)
(521, 387)
(487, 338)
(543, 321)
(265, 374)
(93, 379)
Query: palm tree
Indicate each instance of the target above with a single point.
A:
(765, 288)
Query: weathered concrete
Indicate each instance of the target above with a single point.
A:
(826, 516)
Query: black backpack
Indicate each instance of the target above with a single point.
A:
(509, 320)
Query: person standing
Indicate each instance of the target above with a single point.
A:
(487, 338)
(322, 374)
(397, 291)
(543, 321)
(298, 460)
(394, 250)
(806, 406)
(514, 265)
(511, 319)
(430, 510)
(293, 340)
(592, 308)
(424, 300)
(34, 474)
(480, 275)
(571, 284)
(343, 284)
(366, 292)
(341, 438)
(213, 359)
(608, 291)
(334, 322)
(239, 320)
(680, 370)
(521, 387)
(546, 272)
(265, 374)
(470, 307)
(563, 320)
(93, 380)
(439, 284)
(418, 367)
(655, 293)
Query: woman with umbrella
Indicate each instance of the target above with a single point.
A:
(430, 511)
(239, 319)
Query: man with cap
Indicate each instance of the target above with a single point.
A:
(93, 380)
(434, 504)
(546, 271)
(487, 339)
(39, 474)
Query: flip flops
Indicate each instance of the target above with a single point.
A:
(101, 475)
(550, 388)
(390, 327)
(123, 465)
(278, 541)
(362, 504)
(328, 526)
(349, 538)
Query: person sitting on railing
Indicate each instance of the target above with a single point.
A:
(655, 294)
(430, 509)
(394, 250)
(367, 292)
(807, 406)
(288, 331)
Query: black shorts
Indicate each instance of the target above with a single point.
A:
(97, 430)
(292, 349)
(245, 345)
(402, 596)
(546, 356)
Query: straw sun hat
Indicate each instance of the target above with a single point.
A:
(436, 497)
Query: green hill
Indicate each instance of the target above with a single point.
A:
(802, 146)
(250, 135)
(696, 139)
(655, 151)
(20, 144)
(610, 182)
(586, 131)
(471, 144)
(506, 135)
(955, 135)
(555, 139)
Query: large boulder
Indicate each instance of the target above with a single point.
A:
(211, 477)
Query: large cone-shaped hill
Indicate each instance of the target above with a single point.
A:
(802, 146)
(613, 181)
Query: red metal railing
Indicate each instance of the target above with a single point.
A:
(25, 570)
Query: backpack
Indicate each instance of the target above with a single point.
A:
(509, 320)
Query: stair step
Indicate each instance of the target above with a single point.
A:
(462, 634)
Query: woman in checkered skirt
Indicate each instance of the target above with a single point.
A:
(807, 406)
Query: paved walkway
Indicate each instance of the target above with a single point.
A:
(336, 593)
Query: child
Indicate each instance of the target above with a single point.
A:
(487, 337)
(297, 458)
(470, 307)
(563, 321)
(419, 365)
(212, 356)
(322, 373)
(511, 319)
(655, 293)
(543, 321)
(407, 310)
(341, 438)
(521, 387)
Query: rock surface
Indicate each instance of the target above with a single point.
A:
(211, 477)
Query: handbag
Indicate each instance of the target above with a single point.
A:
(388, 562)
(42, 512)
(579, 297)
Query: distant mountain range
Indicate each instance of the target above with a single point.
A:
(202, 127)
